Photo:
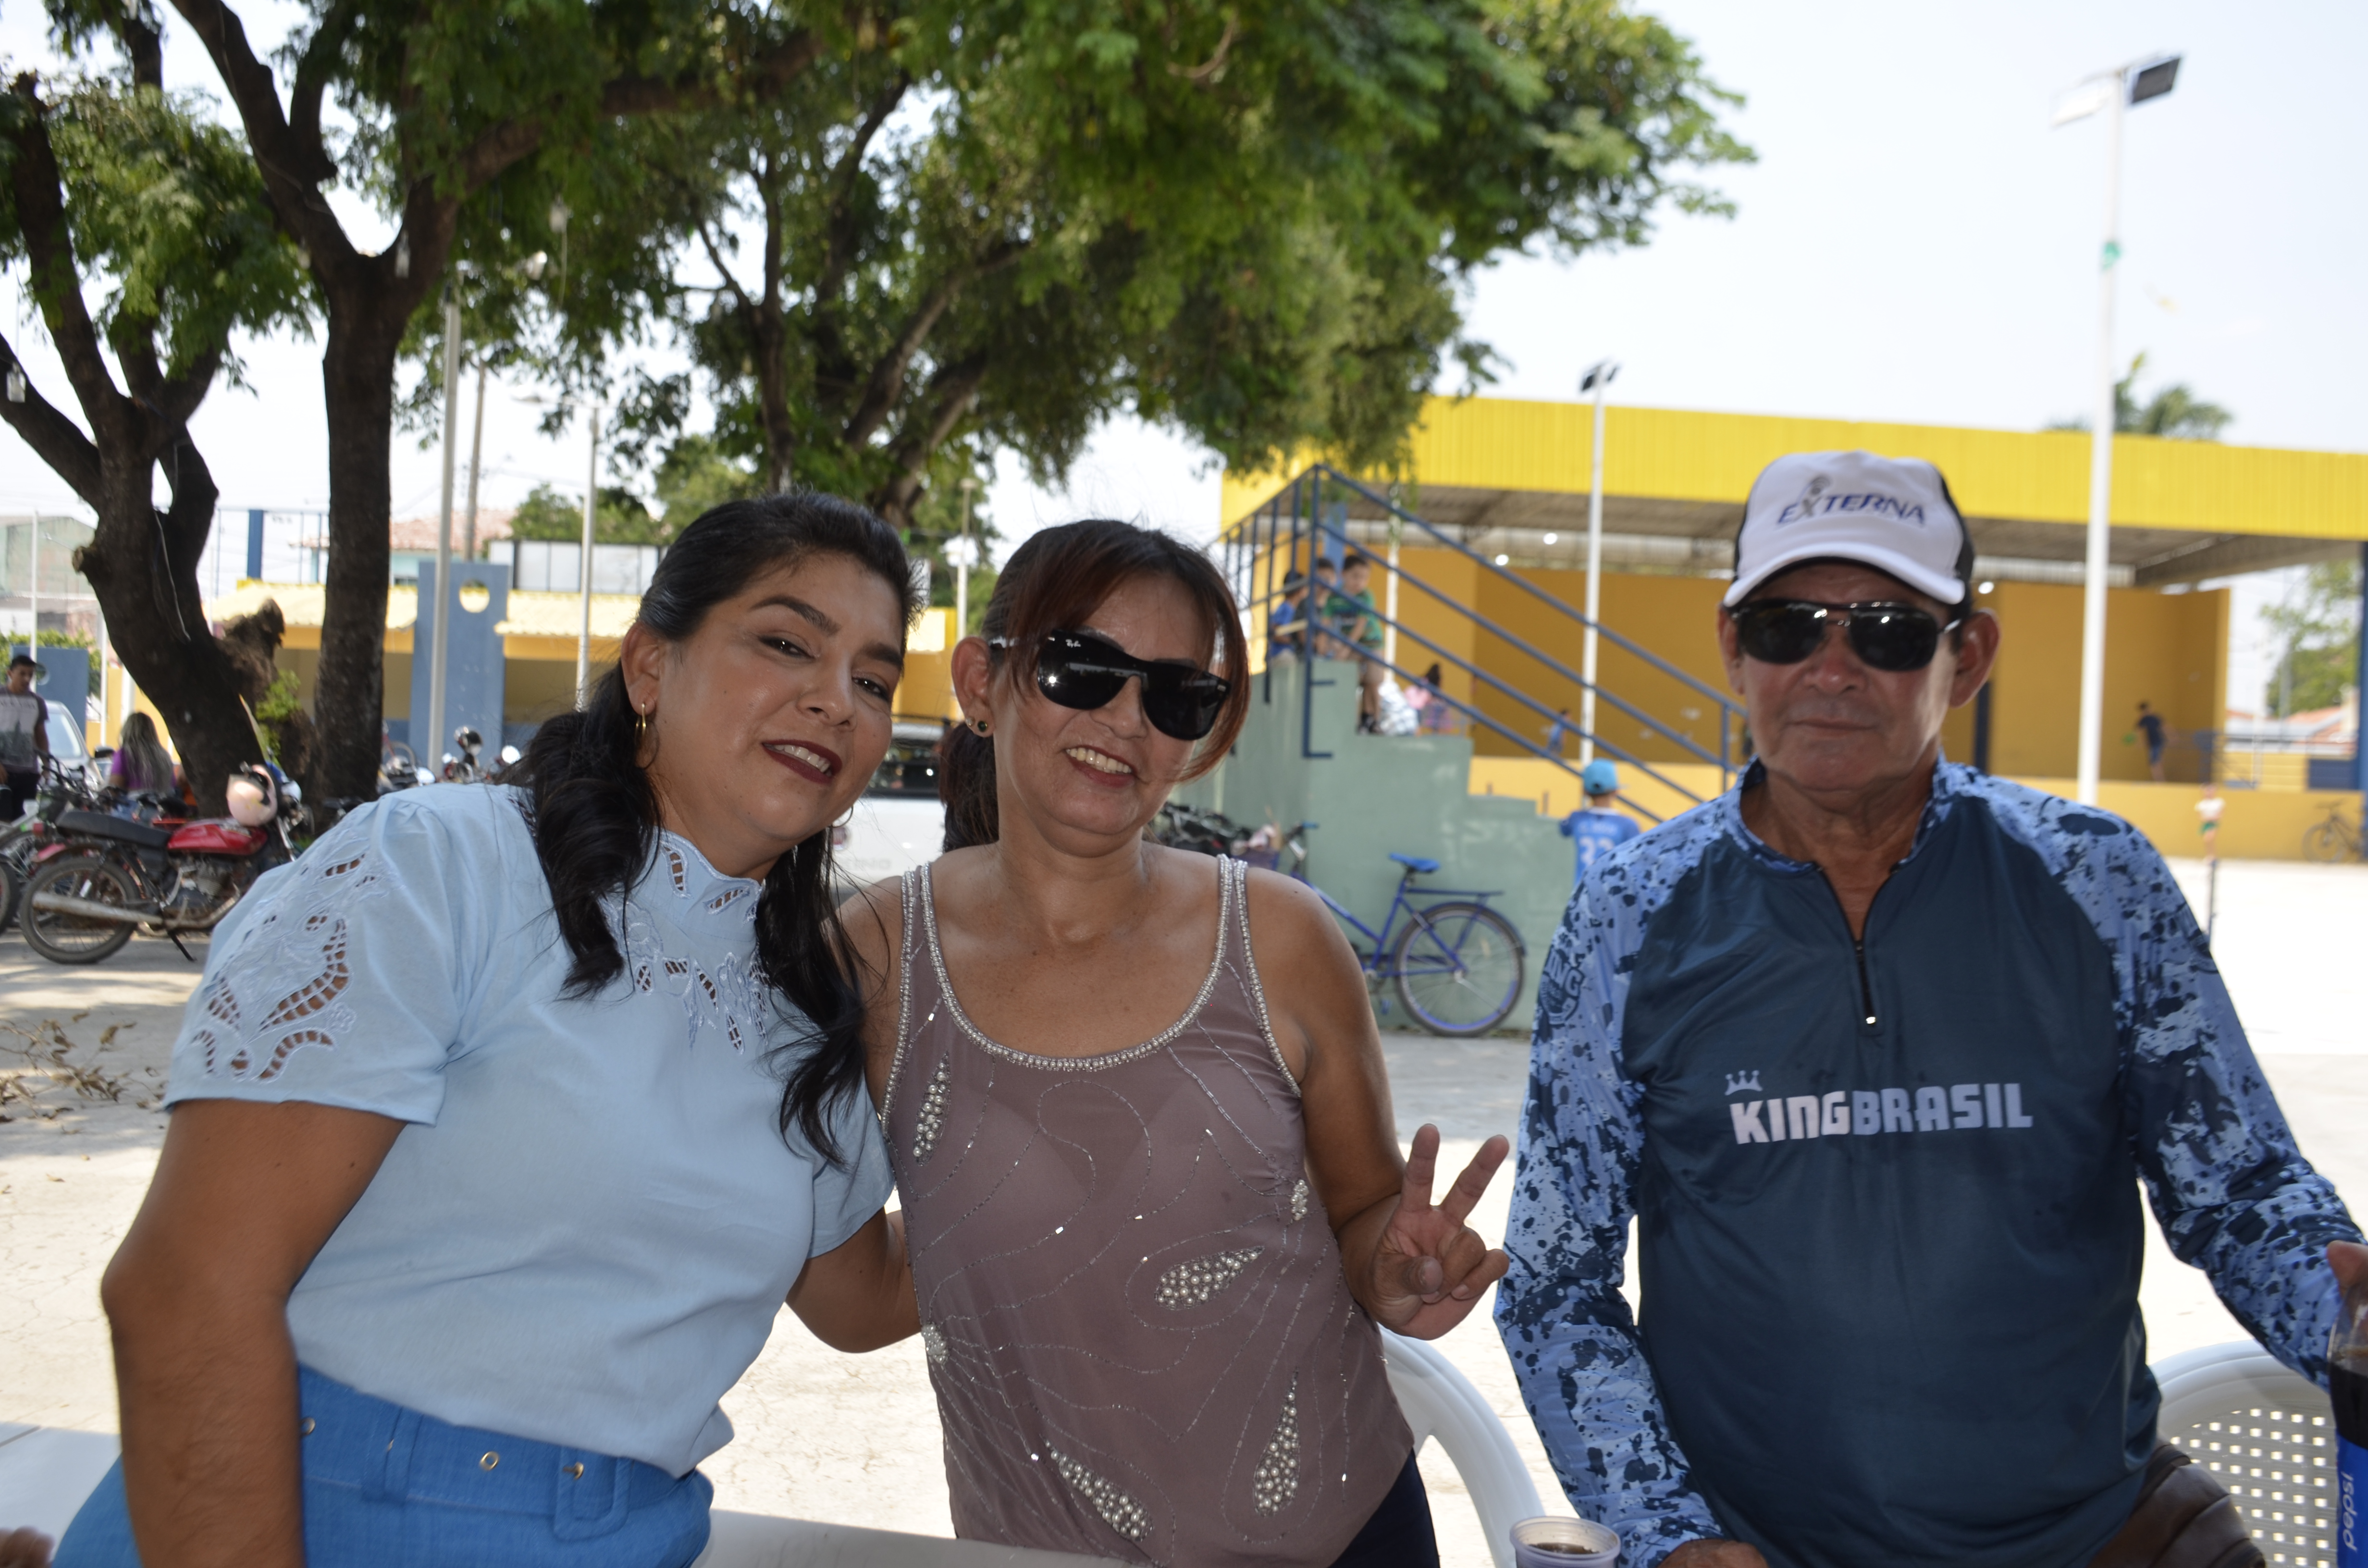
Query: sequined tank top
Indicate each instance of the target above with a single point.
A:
(1138, 1328)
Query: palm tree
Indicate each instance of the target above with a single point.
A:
(2174, 413)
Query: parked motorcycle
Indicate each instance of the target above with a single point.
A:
(465, 769)
(106, 875)
(62, 789)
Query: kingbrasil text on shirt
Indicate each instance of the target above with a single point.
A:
(586, 1227)
(1887, 1191)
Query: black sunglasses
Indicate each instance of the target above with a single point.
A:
(1893, 637)
(1080, 670)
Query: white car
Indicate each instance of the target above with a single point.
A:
(899, 823)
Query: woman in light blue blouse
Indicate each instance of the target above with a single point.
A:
(507, 1118)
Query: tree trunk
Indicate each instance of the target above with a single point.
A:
(357, 379)
(143, 571)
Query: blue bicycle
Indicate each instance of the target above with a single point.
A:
(1456, 963)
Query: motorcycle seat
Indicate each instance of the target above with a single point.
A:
(99, 825)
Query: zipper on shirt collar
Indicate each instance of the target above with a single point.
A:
(1867, 1016)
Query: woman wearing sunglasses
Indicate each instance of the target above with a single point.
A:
(1136, 1106)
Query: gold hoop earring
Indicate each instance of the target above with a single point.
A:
(641, 723)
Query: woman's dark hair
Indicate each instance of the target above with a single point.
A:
(594, 812)
(1054, 582)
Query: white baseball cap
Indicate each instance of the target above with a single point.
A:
(1893, 514)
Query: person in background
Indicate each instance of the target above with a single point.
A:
(1594, 826)
(1882, 1050)
(1560, 733)
(141, 765)
(1351, 610)
(1286, 625)
(1439, 715)
(1317, 611)
(2150, 725)
(23, 738)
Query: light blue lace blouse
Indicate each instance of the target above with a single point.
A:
(586, 1232)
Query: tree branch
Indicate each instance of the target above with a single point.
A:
(838, 252)
(142, 41)
(767, 74)
(313, 74)
(887, 381)
(177, 398)
(56, 282)
(191, 516)
(505, 144)
(292, 175)
(715, 260)
(55, 438)
(838, 242)
(952, 393)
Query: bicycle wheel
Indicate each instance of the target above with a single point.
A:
(2326, 841)
(1458, 968)
(75, 939)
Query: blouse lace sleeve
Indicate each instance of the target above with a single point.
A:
(339, 979)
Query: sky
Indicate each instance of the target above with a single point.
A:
(1915, 243)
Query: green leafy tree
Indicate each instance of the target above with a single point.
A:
(2318, 631)
(2174, 412)
(461, 125)
(146, 246)
(990, 227)
(694, 476)
(617, 518)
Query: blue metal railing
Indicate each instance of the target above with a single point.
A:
(1270, 542)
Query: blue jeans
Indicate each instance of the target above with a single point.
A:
(387, 1487)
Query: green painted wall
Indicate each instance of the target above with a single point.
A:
(1376, 794)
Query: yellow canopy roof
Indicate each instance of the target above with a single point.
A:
(1519, 467)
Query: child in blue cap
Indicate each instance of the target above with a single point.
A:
(1597, 829)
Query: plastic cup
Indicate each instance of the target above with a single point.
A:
(1563, 1542)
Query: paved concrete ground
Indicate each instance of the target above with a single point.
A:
(854, 1440)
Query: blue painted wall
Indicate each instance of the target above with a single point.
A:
(67, 676)
(474, 665)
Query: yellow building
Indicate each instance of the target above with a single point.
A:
(539, 636)
(1508, 482)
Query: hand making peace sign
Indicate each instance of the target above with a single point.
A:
(1430, 1267)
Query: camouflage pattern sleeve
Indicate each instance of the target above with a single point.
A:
(2230, 1189)
(1565, 1323)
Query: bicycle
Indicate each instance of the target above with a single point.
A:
(1456, 963)
(2334, 839)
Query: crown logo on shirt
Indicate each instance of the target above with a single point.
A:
(1744, 1083)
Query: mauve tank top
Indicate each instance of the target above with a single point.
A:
(1141, 1339)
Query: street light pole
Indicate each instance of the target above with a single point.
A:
(2114, 92)
(964, 560)
(476, 464)
(591, 499)
(438, 638)
(1596, 380)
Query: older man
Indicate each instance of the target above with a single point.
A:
(1877, 1050)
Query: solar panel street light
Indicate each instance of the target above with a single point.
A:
(2109, 93)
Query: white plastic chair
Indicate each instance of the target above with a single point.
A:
(761, 1540)
(45, 1473)
(2268, 1434)
(1440, 1403)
